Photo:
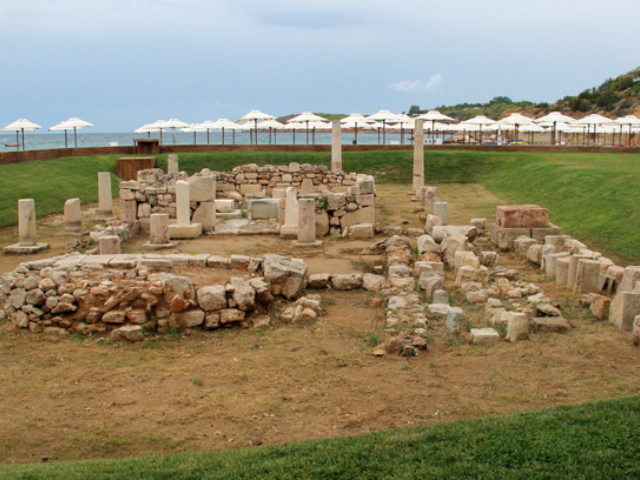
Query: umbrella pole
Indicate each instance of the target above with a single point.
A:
(195, 140)
(269, 135)
(17, 139)
(401, 135)
(75, 135)
(384, 132)
(23, 139)
(207, 136)
(294, 137)
(378, 135)
(160, 136)
(275, 137)
(255, 122)
(313, 135)
(66, 140)
(307, 132)
(356, 133)
(148, 134)
(222, 135)
(234, 137)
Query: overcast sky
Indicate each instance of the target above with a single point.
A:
(122, 63)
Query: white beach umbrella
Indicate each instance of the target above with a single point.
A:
(595, 120)
(355, 118)
(156, 127)
(255, 116)
(73, 123)
(21, 125)
(271, 125)
(478, 123)
(173, 123)
(553, 119)
(293, 127)
(434, 116)
(630, 120)
(307, 118)
(194, 128)
(516, 119)
(221, 124)
(146, 128)
(384, 116)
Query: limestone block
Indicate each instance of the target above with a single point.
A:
(362, 215)
(440, 210)
(504, 238)
(540, 233)
(522, 245)
(109, 245)
(431, 195)
(250, 188)
(551, 325)
(557, 241)
(319, 280)
(372, 283)
(426, 244)
(206, 215)
(212, 298)
(517, 327)
(562, 271)
(322, 224)
(346, 281)
(285, 275)
(431, 281)
(466, 259)
(128, 211)
(72, 216)
(623, 310)
(534, 254)
(441, 297)
(225, 206)
(420, 267)
(432, 221)
(144, 210)
(573, 269)
(450, 245)
(630, 276)
(361, 231)
(264, 209)
(551, 262)
(587, 275)
(479, 223)
(465, 274)
(455, 319)
(484, 336)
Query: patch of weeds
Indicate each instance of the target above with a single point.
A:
(432, 366)
(405, 367)
(172, 334)
(197, 382)
(500, 328)
(255, 347)
(324, 203)
(365, 267)
(414, 251)
(451, 339)
(370, 339)
(328, 302)
(78, 337)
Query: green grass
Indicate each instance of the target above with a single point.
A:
(590, 441)
(51, 183)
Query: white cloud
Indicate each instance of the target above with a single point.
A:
(417, 85)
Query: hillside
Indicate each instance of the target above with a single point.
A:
(615, 97)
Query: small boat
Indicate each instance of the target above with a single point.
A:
(11, 145)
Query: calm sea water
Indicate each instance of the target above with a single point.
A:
(34, 141)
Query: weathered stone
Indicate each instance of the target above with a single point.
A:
(240, 262)
(206, 215)
(600, 306)
(244, 295)
(319, 280)
(431, 222)
(452, 244)
(522, 245)
(362, 215)
(439, 232)
(509, 216)
(178, 304)
(534, 254)
(562, 270)
(630, 276)
(114, 316)
(372, 283)
(346, 281)
(230, 315)
(441, 297)
(130, 333)
(623, 310)
(430, 281)
(202, 188)
(551, 324)
(188, 319)
(286, 276)
(35, 297)
(465, 274)
(426, 244)
(212, 298)
(587, 276)
(361, 231)
(517, 327)
(455, 319)
(484, 336)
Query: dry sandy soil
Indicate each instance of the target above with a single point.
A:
(79, 398)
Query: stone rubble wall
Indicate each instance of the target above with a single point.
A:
(343, 199)
(125, 296)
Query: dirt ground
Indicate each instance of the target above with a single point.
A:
(86, 397)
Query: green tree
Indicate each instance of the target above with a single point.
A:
(414, 110)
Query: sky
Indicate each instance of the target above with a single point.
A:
(122, 63)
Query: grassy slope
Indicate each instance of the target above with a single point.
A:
(51, 183)
(589, 441)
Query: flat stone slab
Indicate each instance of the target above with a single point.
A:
(102, 260)
(72, 234)
(126, 260)
(159, 246)
(243, 226)
(70, 261)
(22, 250)
(180, 231)
(299, 244)
(484, 336)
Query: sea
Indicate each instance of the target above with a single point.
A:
(37, 141)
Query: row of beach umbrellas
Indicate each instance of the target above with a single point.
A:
(24, 125)
(383, 120)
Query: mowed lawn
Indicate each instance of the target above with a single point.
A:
(592, 196)
(589, 441)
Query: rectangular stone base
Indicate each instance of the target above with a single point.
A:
(180, 231)
(158, 246)
(299, 244)
(288, 233)
(22, 250)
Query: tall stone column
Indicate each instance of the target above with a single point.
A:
(183, 201)
(105, 201)
(289, 229)
(336, 146)
(184, 228)
(418, 156)
(27, 223)
(27, 241)
(172, 164)
(307, 223)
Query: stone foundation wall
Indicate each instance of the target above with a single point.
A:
(342, 199)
